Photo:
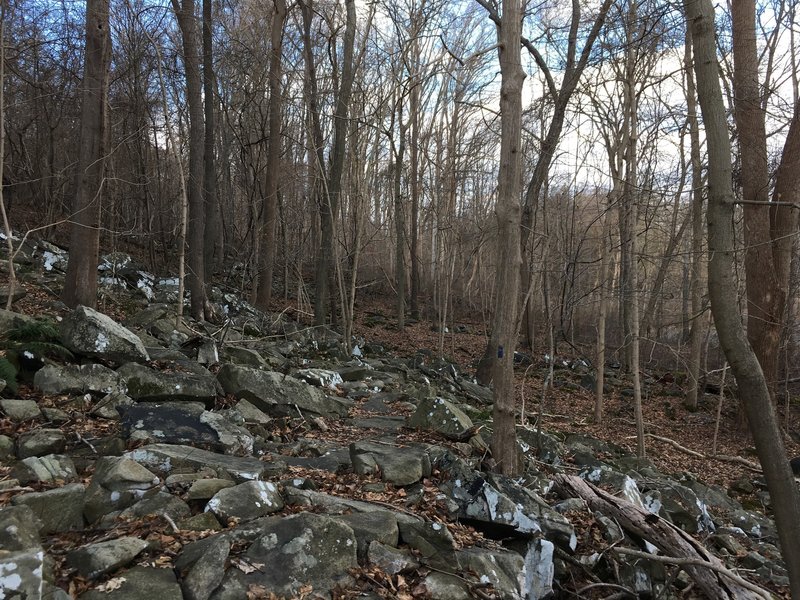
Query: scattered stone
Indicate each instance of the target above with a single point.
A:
(117, 483)
(77, 379)
(399, 466)
(246, 501)
(378, 526)
(94, 560)
(206, 574)
(6, 448)
(204, 521)
(164, 458)
(20, 410)
(112, 406)
(149, 385)
(440, 415)
(390, 560)
(40, 442)
(59, 509)
(277, 394)
(160, 504)
(88, 332)
(22, 574)
(432, 540)
(205, 489)
(320, 377)
(19, 529)
(141, 583)
(49, 469)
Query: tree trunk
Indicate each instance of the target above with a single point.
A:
(329, 199)
(696, 333)
(750, 379)
(185, 13)
(212, 250)
(80, 284)
(766, 291)
(400, 221)
(266, 263)
(508, 211)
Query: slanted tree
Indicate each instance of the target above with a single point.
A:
(722, 286)
(80, 285)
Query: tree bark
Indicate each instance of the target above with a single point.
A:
(508, 212)
(750, 379)
(329, 199)
(80, 284)
(766, 284)
(263, 294)
(212, 251)
(187, 21)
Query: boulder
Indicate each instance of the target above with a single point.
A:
(440, 415)
(141, 583)
(400, 466)
(185, 423)
(94, 560)
(164, 458)
(20, 410)
(246, 501)
(277, 394)
(90, 333)
(77, 379)
(390, 560)
(19, 529)
(48, 469)
(159, 504)
(378, 526)
(117, 483)
(41, 442)
(432, 540)
(23, 574)
(59, 509)
(112, 406)
(149, 385)
(207, 573)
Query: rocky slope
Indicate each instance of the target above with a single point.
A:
(257, 459)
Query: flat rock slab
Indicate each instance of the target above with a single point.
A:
(149, 385)
(41, 442)
(19, 529)
(302, 549)
(141, 583)
(165, 458)
(48, 469)
(20, 410)
(397, 465)
(440, 415)
(246, 501)
(94, 560)
(77, 379)
(59, 509)
(277, 394)
(117, 483)
(185, 423)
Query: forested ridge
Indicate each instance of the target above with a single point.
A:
(567, 221)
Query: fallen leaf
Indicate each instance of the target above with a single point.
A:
(111, 585)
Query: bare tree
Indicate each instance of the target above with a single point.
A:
(80, 285)
(504, 326)
(753, 389)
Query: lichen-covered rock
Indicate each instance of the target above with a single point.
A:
(440, 415)
(206, 574)
(117, 483)
(95, 560)
(48, 469)
(246, 501)
(149, 385)
(277, 394)
(59, 509)
(41, 442)
(22, 574)
(88, 332)
(141, 583)
(401, 466)
(19, 529)
(77, 379)
(20, 410)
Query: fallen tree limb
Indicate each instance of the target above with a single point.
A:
(722, 457)
(669, 539)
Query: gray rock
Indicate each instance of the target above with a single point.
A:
(390, 560)
(185, 423)
(200, 522)
(205, 489)
(90, 333)
(41, 442)
(432, 540)
(251, 414)
(94, 560)
(164, 458)
(112, 406)
(117, 483)
(77, 379)
(141, 583)
(401, 466)
(6, 448)
(378, 526)
(23, 574)
(50, 468)
(19, 529)
(441, 586)
(246, 501)
(277, 394)
(503, 570)
(320, 377)
(148, 385)
(302, 549)
(207, 573)
(244, 357)
(539, 570)
(10, 319)
(59, 509)
(20, 410)
(160, 504)
(56, 416)
(440, 415)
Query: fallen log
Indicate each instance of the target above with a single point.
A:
(707, 571)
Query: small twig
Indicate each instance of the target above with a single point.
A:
(85, 441)
(172, 524)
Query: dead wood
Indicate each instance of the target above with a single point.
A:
(704, 568)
